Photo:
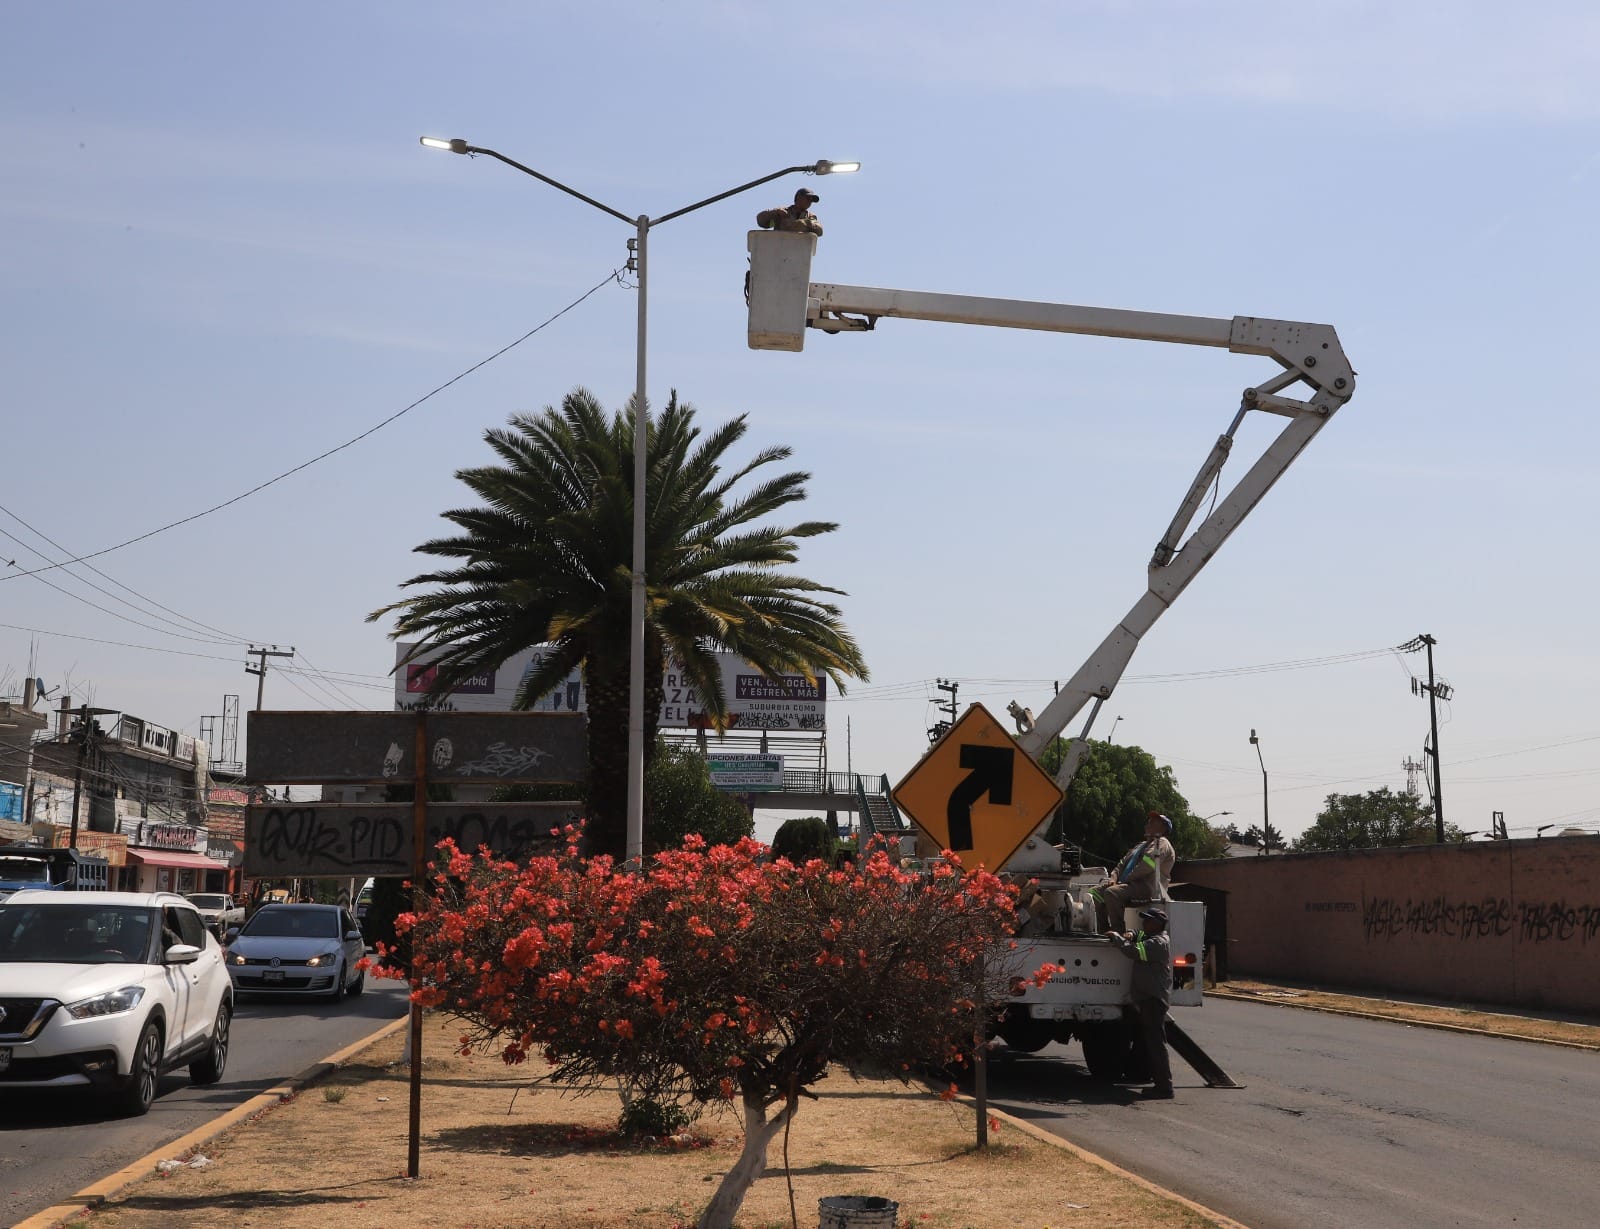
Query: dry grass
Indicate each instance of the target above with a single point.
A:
(498, 1153)
(1476, 1019)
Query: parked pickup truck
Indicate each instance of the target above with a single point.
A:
(220, 911)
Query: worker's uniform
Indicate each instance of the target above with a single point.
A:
(1152, 991)
(1143, 876)
(793, 218)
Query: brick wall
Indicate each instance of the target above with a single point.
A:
(1514, 922)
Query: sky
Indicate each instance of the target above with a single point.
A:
(226, 254)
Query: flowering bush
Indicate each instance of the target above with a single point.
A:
(710, 975)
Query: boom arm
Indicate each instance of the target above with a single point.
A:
(783, 303)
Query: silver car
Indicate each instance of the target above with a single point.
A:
(297, 950)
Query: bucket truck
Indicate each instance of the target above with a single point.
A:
(1086, 995)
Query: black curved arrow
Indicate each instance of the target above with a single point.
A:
(991, 774)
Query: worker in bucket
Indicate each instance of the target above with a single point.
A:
(1151, 954)
(795, 217)
(1141, 877)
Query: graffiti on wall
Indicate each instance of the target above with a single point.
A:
(1492, 917)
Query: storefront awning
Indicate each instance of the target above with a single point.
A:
(165, 857)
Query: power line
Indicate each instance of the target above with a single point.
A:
(228, 503)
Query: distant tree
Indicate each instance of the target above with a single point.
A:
(1380, 818)
(682, 801)
(799, 840)
(1113, 793)
(1194, 838)
(1268, 838)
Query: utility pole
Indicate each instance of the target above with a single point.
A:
(1437, 690)
(1266, 816)
(948, 708)
(88, 731)
(260, 670)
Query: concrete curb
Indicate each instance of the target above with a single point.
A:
(1099, 1162)
(1372, 1015)
(93, 1196)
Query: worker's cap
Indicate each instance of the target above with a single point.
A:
(804, 195)
(1155, 915)
(1165, 821)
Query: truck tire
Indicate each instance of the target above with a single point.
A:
(1106, 1046)
(1026, 1035)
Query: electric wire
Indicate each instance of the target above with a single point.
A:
(228, 503)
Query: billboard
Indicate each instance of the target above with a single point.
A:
(755, 701)
(746, 774)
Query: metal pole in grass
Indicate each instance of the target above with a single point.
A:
(419, 900)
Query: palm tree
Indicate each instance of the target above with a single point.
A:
(547, 560)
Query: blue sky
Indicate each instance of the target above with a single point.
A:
(226, 253)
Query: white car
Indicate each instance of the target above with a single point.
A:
(298, 950)
(108, 991)
(221, 912)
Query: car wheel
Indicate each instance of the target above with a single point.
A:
(138, 1090)
(360, 984)
(336, 995)
(210, 1068)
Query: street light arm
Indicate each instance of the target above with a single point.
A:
(809, 169)
(528, 170)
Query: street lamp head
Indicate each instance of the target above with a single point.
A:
(824, 167)
(455, 145)
(1253, 739)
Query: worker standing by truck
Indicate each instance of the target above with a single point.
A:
(1142, 876)
(1151, 954)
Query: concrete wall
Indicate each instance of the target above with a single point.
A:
(1514, 922)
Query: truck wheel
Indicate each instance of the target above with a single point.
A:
(1105, 1048)
(1027, 1036)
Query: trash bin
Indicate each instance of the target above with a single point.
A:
(857, 1212)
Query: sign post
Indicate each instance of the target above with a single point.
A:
(370, 748)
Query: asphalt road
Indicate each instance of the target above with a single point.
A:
(53, 1146)
(1343, 1122)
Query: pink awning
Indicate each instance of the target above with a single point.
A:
(164, 857)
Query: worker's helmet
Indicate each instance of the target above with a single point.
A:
(805, 196)
(1167, 823)
(1154, 915)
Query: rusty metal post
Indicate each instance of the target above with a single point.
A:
(419, 900)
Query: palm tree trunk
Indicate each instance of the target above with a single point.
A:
(606, 831)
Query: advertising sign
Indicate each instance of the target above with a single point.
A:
(747, 774)
(755, 701)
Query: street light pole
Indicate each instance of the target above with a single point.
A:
(641, 426)
(1266, 818)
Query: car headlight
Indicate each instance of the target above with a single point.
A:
(113, 1003)
(323, 961)
(233, 957)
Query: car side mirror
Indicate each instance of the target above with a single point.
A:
(233, 933)
(352, 934)
(182, 953)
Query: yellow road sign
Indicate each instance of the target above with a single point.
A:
(977, 793)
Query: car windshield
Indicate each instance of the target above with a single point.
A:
(294, 922)
(203, 900)
(74, 934)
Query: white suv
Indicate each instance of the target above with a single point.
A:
(109, 990)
